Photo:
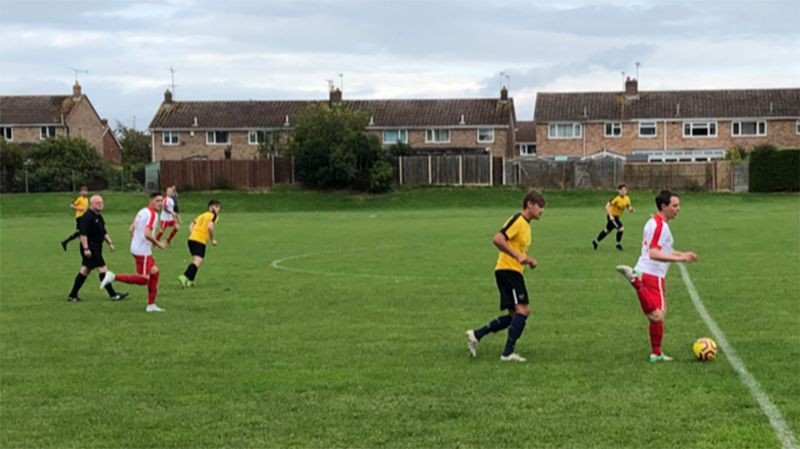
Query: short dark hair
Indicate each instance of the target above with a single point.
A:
(84, 188)
(213, 203)
(155, 194)
(621, 186)
(664, 198)
(533, 197)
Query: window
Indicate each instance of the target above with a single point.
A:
(437, 136)
(749, 128)
(613, 129)
(647, 129)
(47, 132)
(6, 131)
(527, 149)
(170, 138)
(257, 137)
(485, 135)
(392, 136)
(564, 131)
(797, 127)
(699, 129)
(217, 137)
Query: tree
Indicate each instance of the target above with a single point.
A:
(65, 163)
(270, 143)
(331, 149)
(136, 148)
(11, 160)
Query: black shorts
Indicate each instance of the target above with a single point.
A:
(78, 223)
(197, 249)
(512, 289)
(613, 223)
(95, 260)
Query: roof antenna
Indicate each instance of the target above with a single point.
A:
(623, 79)
(330, 84)
(77, 71)
(637, 69)
(341, 82)
(172, 73)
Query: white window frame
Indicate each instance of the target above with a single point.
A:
(529, 149)
(214, 133)
(614, 126)
(797, 127)
(490, 131)
(577, 130)
(431, 135)
(648, 136)
(169, 142)
(253, 133)
(758, 127)
(402, 135)
(46, 134)
(8, 133)
(696, 124)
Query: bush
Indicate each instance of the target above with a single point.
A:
(773, 170)
(381, 176)
(331, 148)
(737, 153)
(11, 162)
(401, 149)
(65, 163)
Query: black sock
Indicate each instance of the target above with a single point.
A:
(619, 237)
(495, 325)
(191, 271)
(79, 280)
(514, 332)
(602, 235)
(72, 237)
(109, 287)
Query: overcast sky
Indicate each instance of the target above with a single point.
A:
(247, 49)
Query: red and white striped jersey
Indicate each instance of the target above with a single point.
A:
(146, 218)
(168, 209)
(656, 235)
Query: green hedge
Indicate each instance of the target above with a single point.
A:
(773, 170)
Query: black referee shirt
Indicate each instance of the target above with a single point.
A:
(93, 227)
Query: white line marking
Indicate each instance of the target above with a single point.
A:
(782, 430)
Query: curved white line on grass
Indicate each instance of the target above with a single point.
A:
(782, 430)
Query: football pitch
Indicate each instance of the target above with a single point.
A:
(334, 320)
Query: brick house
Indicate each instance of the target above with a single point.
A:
(28, 119)
(233, 129)
(664, 125)
(526, 138)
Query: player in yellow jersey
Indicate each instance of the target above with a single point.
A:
(201, 230)
(614, 209)
(513, 241)
(80, 206)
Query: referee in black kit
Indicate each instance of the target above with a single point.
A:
(93, 233)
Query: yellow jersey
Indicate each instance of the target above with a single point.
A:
(200, 231)
(517, 231)
(618, 204)
(82, 205)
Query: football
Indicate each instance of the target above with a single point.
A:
(705, 349)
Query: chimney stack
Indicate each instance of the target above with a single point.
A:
(167, 97)
(504, 94)
(631, 88)
(336, 96)
(76, 91)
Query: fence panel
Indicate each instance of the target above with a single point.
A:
(448, 170)
(476, 170)
(216, 174)
(415, 170)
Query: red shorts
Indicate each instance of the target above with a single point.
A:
(167, 224)
(651, 293)
(144, 264)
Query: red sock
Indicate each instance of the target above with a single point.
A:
(152, 288)
(131, 279)
(172, 234)
(159, 235)
(656, 334)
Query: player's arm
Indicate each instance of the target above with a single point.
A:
(631, 208)
(608, 210)
(676, 256)
(107, 238)
(148, 234)
(132, 226)
(83, 229)
(191, 226)
(211, 227)
(501, 242)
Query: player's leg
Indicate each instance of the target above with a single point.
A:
(175, 228)
(198, 252)
(620, 230)
(80, 278)
(140, 278)
(609, 227)
(106, 279)
(519, 317)
(501, 322)
(72, 236)
(152, 287)
(162, 227)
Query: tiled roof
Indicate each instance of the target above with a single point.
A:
(384, 113)
(745, 103)
(34, 109)
(526, 131)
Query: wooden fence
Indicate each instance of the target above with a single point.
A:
(450, 170)
(238, 174)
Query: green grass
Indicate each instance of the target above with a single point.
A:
(357, 341)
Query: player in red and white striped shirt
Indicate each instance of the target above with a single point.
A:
(651, 269)
(142, 250)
